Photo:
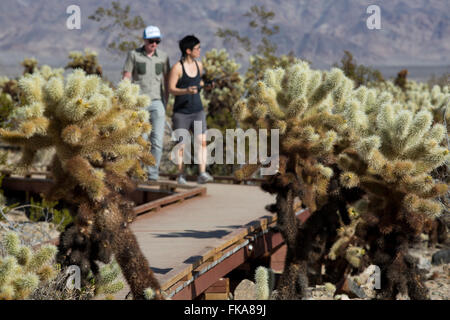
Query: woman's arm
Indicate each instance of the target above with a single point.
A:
(175, 73)
(210, 85)
(200, 67)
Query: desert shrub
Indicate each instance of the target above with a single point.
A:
(263, 54)
(401, 79)
(45, 210)
(442, 81)
(359, 73)
(128, 28)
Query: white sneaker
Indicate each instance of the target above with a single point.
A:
(204, 177)
(181, 179)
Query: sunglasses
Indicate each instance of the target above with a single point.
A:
(157, 41)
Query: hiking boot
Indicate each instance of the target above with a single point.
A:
(204, 177)
(181, 179)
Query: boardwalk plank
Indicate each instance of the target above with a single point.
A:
(186, 236)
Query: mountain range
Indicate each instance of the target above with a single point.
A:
(413, 32)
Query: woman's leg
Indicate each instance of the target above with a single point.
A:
(204, 176)
(180, 123)
(180, 159)
(201, 152)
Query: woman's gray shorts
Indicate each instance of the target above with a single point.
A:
(186, 121)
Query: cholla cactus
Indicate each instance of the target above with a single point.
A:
(6, 108)
(9, 99)
(48, 72)
(338, 143)
(88, 62)
(264, 283)
(397, 156)
(417, 96)
(259, 64)
(308, 108)
(97, 134)
(21, 270)
(354, 255)
(107, 282)
(11, 96)
(227, 90)
(29, 65)
(392, 162)
(400, 144)
(298, 101)
(10, 88)
(345, 235)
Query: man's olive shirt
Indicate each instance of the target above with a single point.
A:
(147, 71)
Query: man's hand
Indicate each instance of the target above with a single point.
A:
(126, 75)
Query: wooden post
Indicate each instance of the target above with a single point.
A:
(220, 290)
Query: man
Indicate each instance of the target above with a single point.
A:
(149, 67)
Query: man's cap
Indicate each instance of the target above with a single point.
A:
(152, 32)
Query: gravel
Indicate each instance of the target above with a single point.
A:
(30, 233)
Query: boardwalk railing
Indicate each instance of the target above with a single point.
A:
(148, 197)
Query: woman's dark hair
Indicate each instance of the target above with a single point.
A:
(188, 42)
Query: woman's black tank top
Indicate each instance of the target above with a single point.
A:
(188, 103)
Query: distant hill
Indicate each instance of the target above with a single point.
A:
(414, 32)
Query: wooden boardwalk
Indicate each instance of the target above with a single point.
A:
(184, 240)
(191, 235)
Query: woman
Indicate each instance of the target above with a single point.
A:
(184, 83)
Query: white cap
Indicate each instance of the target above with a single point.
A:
(151, 32)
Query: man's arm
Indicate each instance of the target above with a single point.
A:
(128, 67)
(166, 80)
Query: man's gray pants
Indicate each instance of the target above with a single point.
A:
(157, 119)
